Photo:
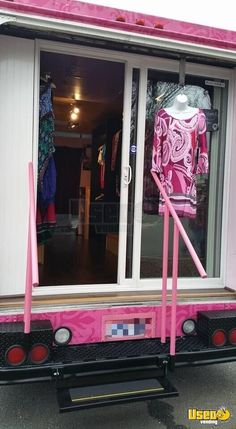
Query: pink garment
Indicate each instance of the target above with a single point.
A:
(115, 144)
(179, 153)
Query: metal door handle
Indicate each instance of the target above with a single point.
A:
(128, 175)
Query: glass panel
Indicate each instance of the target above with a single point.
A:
(79, 163)
(204, 228)
(132, 162)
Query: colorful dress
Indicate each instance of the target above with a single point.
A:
(179, 154)
(161, 95)
(46, 216)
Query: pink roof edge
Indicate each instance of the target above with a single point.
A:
(133, 22)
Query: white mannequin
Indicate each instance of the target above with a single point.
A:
(180, 108)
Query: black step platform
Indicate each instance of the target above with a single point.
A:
(80, 397)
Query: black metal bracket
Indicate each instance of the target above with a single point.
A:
(182, 73)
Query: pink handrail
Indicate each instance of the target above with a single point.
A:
(164, 273)
(181, 229)
(174, 289)
(32, 276)
(33, 233)
(178, 229)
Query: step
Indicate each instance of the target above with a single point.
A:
(88, 396)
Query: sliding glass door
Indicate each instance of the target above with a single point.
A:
(154, 90)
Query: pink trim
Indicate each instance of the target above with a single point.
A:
(28, 288)
(106, 17)
(113, 319)
(33, 233)
(32, 276)
(174, 289)
(164, 273)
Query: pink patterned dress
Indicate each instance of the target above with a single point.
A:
(179, 153)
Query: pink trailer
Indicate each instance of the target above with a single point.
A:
(117, 216)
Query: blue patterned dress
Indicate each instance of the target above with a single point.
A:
(46, 217)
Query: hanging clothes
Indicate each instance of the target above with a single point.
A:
(46, 215)
(115, 144)
(116, 160)
(179, 154)
(102, 163)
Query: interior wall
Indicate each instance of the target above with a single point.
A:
(68, 167)
(73, 142)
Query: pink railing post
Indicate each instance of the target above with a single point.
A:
(178, 229)
(33, 233)
(32, 277)
(164, 273)
(28, 288)
(174, 289)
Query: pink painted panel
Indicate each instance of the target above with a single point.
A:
(103, 16)
(87, 326)
(187, 311)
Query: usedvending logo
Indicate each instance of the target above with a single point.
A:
(209, 417)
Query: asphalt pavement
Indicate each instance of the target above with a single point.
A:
(34, 406)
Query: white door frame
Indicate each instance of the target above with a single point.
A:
(199, 70)
(129, 63)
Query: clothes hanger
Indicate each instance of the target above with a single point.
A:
(160, 97)
(47, 79)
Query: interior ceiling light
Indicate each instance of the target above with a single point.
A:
(77, 96)
(73, 116)
(74, 111)
(72, 125)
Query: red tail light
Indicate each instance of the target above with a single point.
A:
(219, 338)
(232, 336)
(39, 353)
(15, 355)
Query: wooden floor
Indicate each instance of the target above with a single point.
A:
(69, 259)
